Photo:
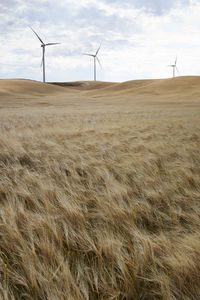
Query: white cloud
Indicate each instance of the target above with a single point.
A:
(138, 41)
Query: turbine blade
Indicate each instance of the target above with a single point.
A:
(43, 54)
(175, 61)
(37, 35)
(88, 54)
(98, 50)
(49, 44)
(177, 70)
(41, 63)
(99, 61)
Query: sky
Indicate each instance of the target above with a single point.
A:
(139, 38)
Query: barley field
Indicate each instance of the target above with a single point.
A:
(100, 190)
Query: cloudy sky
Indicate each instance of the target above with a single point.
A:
(139, 38)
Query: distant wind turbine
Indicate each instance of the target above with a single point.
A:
(174, 67)
(95, 59)
(43, 45)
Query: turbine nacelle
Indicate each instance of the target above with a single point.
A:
(49, 44)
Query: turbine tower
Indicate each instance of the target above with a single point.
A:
(43, 45)
(174, 68)
(95, 59)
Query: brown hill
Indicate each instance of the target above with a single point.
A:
(179, 87)
(26, 87)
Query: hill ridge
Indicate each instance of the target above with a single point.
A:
(183, 86)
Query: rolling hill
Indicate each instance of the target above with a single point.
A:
(179, 87)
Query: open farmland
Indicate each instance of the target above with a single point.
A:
(100, 190)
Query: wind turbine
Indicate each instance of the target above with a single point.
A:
(174, 67)
(95, 59)
(43, 45)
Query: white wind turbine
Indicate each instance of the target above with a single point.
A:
(174, 67)
(43, 45)
(95, 59)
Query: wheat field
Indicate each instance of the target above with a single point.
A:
(100, 190)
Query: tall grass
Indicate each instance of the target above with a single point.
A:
(99, 206)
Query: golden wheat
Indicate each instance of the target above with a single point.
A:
(99, 205)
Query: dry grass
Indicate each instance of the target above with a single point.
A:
(100, 205)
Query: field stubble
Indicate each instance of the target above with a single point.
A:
(100, 205)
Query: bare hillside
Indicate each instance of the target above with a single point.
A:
(26, 87)
(174, 87)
